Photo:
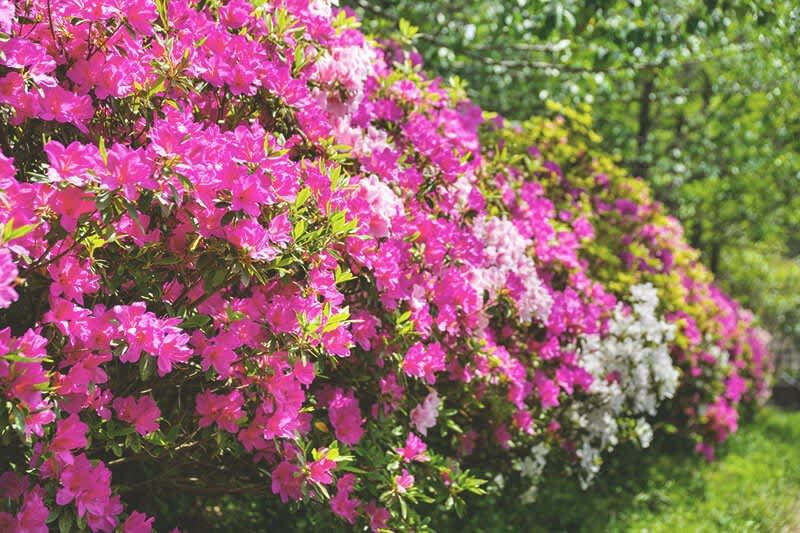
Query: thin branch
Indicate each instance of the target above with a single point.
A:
(475, 54)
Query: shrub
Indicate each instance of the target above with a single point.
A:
(247, 251)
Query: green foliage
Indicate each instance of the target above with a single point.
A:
(754, 486)
(766, 280)
(699, 97)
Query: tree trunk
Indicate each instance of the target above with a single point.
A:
(714, 256)
(645, 123)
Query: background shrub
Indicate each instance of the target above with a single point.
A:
(252, 261)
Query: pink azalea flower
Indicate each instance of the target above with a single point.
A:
(280, 229)
(502, 436)
(223, 409)
(72, 203)
(70, 435)
(72, 278)
(8, 276)
(423, 416)
(89, 487)
(319, 471)
(735, 386)
(287, 482)
(304, 372)
(364, 329)
(723, 418)
(6, 16)
(414, 449)
(404, 481)
(220, 355)
(345, 416)
(341, 503)
(378, 516)
(32, 517)
(252, 238)
(73, 164)
(547, 389)
(138, 523)
(142, 413)
(12, 485)
(424, 361)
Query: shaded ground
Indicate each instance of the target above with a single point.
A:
(753, 486)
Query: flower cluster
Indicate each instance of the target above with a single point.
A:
(633, 373)
(244, 249)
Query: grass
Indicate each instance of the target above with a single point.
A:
(753, 486)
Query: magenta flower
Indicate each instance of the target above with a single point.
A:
(142, 413)
(735, 386)
(8, 276)
(319, 471)
(252, 238)
(220, 355)
(414, 449)
(72, 278)
(423, 416)
(144, 332)
(73, 164)
(424, 361)
(138, 523)
(345, 415)
(32, 517)
(404, 481)
(70, 435)
(280, 229)
(12, 485)
(341, 503)
(90, 488)
(304, 372)
(223, 409)
(378, 516)
(547, 389)
(287, 482)
(723, 418)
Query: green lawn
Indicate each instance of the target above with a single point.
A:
(754, 485)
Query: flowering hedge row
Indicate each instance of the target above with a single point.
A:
(246, 251)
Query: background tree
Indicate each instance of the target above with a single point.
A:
(701, 98)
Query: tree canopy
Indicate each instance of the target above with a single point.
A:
(701, 98)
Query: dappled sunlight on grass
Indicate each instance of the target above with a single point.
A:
(753, 486)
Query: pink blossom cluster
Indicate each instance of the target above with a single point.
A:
(239, 246)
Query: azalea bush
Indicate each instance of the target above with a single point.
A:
(251, 259)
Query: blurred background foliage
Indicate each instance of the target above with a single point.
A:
(700, 98)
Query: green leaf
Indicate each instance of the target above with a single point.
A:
(301, 198)
(21, 358)
(343, 276)
(407, 30)
(299, 229)
(195, 321)
(53, 515)
(10, 232)
(146, 367)
(335, 321)
(159, 86)
(65, 522)
(163, 13)
(101, 147)
(134, 215)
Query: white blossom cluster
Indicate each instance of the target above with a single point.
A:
(633, 373)
(530, 469)
(506, 254)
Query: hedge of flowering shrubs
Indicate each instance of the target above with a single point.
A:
(249, 256)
